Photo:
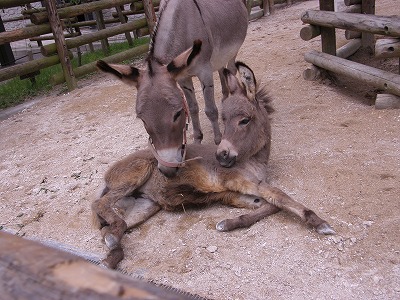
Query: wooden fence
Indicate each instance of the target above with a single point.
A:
(361, 25)
(61, 22)
(31, 271)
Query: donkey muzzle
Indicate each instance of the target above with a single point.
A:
(226, 155)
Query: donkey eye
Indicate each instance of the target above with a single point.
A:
(244, 121)
(177, 115)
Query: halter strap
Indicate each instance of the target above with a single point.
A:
(184, 141)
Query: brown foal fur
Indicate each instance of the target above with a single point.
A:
(237, 177)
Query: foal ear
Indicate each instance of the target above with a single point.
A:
(128, 74)
(248, 79)
(233, 83)
(178, 66)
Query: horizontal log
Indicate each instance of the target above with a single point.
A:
(384, 25)
(95, 36)
(388, 82)
(349, 49)
(385, 101)
(29, 67)
(352, 2)
(24, 33)
(138, 6)
(75, 10)
(352, 9)
(256, 15)
(387, 48)
(350, 34)
(30, 270)
(91, 67)
(309, 32)
(50, 37)
(141, 32)
(15, 3)
(312, 72)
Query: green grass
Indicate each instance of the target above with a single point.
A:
(15, 91)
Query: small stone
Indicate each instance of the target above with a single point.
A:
(367, 223)
(212, 249)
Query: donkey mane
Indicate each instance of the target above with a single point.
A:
(154, 34)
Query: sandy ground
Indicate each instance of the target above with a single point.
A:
(331, 150)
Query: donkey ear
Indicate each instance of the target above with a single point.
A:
(248, 79)
(128, 74)
(234, 86)
(183, 60)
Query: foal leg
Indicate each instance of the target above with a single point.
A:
(280, 199)
(261, 210)
(188, 89)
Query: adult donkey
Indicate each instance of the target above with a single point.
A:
(192, 38)
(237, 177)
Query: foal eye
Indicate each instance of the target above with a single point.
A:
(244, 121)
(177, 115)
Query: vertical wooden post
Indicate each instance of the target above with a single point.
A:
(100, 25)
(266, 8)
(62, 49)
(249, 6)
(328, 36)
(150, 14)
(122, 18)
(368, 39)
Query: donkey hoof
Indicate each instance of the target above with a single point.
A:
(111, 241)
(113, 258)
(325, 228)
(221, 226)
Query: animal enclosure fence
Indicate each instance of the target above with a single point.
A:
(60, 23)
(362, 26)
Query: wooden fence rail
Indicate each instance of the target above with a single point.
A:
(64, 17)
(31, 271)
(361, 25)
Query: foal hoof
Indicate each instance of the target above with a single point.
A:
(113, 258)
(221, 226)
(111, 241)
(325, 228)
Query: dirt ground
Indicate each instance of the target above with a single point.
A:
(331, 150)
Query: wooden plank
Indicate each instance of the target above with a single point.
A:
(31, 271)
(384, 25)
(386, 81)
(76, 10)
(91, 67)
(62, 50)
(328, 35)
(100, 26)
(50, 49)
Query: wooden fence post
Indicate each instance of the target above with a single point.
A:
(328, 36)
(60, 43)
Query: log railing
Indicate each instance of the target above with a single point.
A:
(360, 25)
(65, 17)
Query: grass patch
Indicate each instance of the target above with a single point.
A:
(15, 91)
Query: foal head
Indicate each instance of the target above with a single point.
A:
(245, 114)
(161, 104)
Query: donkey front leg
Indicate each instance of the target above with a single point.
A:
(188, 90)
(280, 199)
(207, 84)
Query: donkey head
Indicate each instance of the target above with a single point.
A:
(245, 116)
(161, 104)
